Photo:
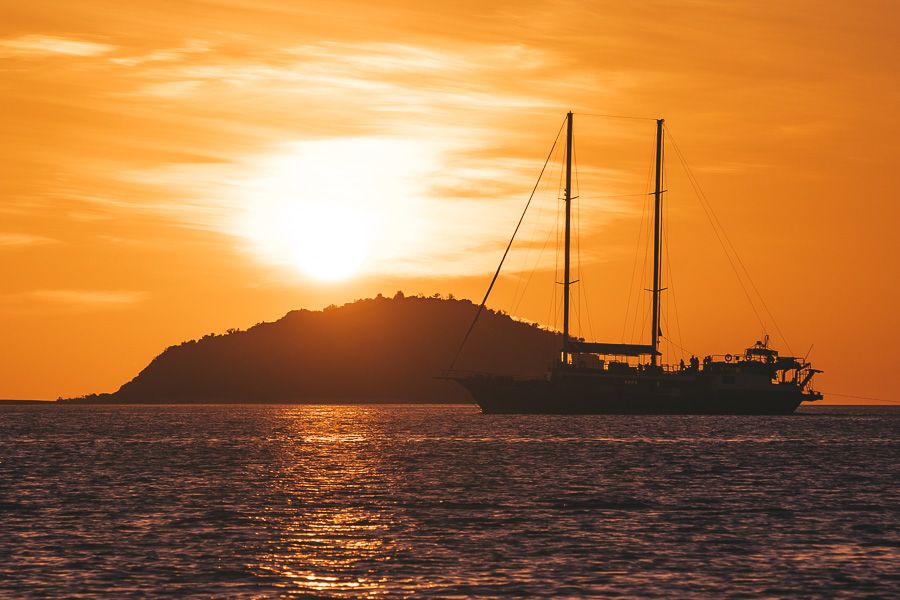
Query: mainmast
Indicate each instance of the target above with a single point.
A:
(657, 236)
(566, 282)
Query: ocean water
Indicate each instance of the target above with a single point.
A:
(398, 501)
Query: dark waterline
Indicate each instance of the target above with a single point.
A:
(332, 501)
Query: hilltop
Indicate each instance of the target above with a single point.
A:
(373, 350)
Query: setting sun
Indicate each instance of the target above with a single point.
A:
(330, 243)
(333, 208)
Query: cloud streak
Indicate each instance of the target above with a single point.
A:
(69, 301)
(48, 45)
(85, 299)
(24, 240)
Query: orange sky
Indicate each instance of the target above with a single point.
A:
(170, 169)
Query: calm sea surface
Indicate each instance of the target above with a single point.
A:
(350, 501)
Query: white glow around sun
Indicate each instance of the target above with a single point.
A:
(377, 206)
(333, 208)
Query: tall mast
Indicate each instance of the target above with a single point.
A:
(657, 235)
(565, 351)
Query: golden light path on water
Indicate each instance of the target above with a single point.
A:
(332, 533)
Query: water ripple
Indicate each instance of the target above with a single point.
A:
(396, 501)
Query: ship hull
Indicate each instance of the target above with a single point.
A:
(647, 396)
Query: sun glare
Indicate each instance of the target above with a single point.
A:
(331, 242)
(331, 209)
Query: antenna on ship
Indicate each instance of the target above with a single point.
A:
(657, 235)
(566, 282)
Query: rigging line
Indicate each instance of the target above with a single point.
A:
(664, 238)
(632, 285)
(633, 272)
(641, 300)
(682, 348)
(669, 351)
(668, 302)
(550, 230)
(516, 297)
(574, 196)
(508, 246)
(668, 233)
(553, 299)
(737, 256)
(618, 196)
(672, 287)
(582, 289)
(553, 317)
(644, 322)
(863, 397)
(713, 223)
(533, 270)
(615, 116)
(750, 280)
(515, 270)
(717, 225)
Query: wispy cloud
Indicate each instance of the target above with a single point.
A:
(86, 298)
(54, 301)
(37, 45)
(731, 167)
(166, 55)
(370, 78)
(23, 240)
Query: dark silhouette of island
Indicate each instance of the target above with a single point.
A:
(369, 351)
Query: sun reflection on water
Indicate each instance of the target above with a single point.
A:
(333, 537)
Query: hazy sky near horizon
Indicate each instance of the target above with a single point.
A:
(169, 169)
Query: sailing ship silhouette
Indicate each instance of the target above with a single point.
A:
(598, 378)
